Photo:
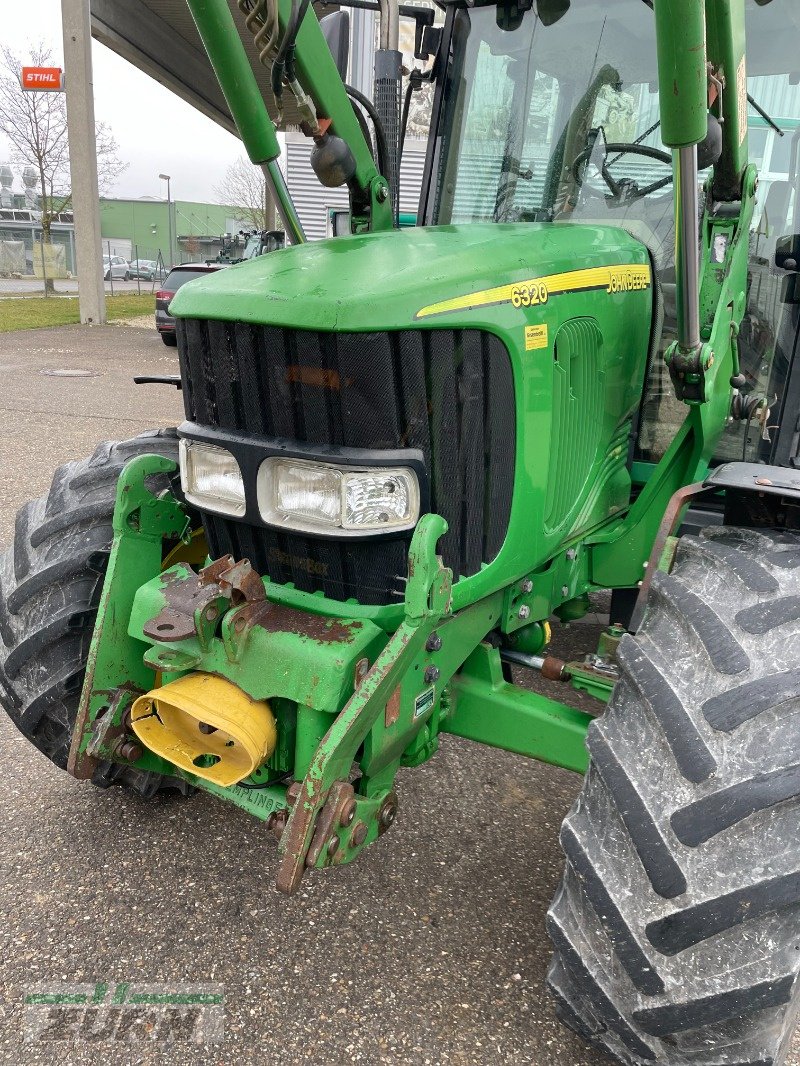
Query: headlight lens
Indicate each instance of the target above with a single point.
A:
(305, 491)
(211, 478)
(300, 494)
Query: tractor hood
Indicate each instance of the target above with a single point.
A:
(388, 280)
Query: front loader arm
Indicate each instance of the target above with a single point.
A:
(317, 73)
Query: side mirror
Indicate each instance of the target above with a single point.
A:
(336, 30)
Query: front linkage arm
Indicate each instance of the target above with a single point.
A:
(325, 825)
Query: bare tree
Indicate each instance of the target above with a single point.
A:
(35, 125)
(245, 188)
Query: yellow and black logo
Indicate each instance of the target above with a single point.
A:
(534, 292)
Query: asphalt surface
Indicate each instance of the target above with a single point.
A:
(429, 950)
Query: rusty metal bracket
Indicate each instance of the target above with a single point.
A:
(190, 609)
(194, 604)
(427, 601)
(338, 805)
(110, 735)
(668, 527)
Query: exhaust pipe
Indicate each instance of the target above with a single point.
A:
(388, 92)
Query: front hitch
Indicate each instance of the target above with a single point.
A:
(325, 827)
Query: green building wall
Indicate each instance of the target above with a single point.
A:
(145, 223)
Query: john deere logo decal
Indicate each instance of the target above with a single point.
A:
(533, 292)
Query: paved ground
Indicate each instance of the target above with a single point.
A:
(428, 951)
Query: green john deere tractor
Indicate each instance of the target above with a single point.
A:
(406, 450)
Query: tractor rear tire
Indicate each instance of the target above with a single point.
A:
(677, 923)
(50, 585)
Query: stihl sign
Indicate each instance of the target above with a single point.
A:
(42, 79)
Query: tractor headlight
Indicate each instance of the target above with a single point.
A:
(211, 478)
(317, 497)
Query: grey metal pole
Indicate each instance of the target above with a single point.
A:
(167, 179)
(687, 224)
(76, 24)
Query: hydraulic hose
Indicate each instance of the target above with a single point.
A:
(362, 122)
(380, 134)
(284, 57)
(404, 120)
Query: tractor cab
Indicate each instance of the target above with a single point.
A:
(556, 119)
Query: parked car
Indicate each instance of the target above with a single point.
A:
(179, 275)
(145, 269)
(116, 267)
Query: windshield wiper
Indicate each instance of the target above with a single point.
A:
(770, 121)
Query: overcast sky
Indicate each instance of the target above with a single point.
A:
(157, 133)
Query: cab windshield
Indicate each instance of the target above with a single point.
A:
(523, 103)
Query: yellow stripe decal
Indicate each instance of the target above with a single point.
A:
(626, 278)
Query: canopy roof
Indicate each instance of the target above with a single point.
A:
(159, 37)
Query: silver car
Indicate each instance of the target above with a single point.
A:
(116, 267)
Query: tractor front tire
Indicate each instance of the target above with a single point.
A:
(50, 585)
(677, 923)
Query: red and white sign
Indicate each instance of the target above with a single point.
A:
(42, 79)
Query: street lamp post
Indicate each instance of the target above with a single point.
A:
(166, 178)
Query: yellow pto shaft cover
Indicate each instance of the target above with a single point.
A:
(206, 726)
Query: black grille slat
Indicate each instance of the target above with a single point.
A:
(226, 375)
(448, 393)
(410, 358)
(255, 409)
(500, 442)
(471, 456)
(310, 375)
(283, 402)
(445, 434)
(188, 377)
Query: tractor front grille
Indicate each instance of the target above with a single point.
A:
(449, 393)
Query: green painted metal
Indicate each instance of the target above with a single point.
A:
(417, 700)
(618, 555)
(725, 24)
(588, 681)
(683, 85)
(428, 601)
(489, 710)
(141, 523)
(221, 41)
(314, 668)
(377, 686)
(262, 803)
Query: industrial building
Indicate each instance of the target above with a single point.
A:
(135, 228)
